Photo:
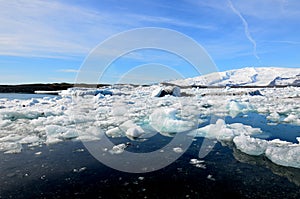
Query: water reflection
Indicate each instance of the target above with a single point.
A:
(292, 174)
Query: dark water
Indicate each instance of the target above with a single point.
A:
(67, 170)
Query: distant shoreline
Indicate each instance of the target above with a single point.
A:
(32, 88)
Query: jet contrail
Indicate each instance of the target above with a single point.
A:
(248, 35)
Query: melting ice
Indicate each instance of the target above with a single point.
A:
(135, 112)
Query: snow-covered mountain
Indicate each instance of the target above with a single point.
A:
(249, 76)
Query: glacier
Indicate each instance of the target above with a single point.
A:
(250, 76)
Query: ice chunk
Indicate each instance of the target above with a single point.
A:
(115, 132)
(135, 132)
(165, 120)
(236, 107)
(98, 97)
(127, 125)
(84, 91)
(210, 177)
(224, 132)
(118, 149)
(196, 161)
(280, 152)
(176, 91)
(11, 147)
(287, 155)
(156, 92)
(119, 110)
(30, 139)
(15, 115)
(291, 118)
(178, 150)
(201, 166)
(59, 132)
(274, 117)
(161, 92)
(79, 170)
(249, 145)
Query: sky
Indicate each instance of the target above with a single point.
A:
(45, 41)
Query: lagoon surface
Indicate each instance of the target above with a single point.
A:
(23, 96)
(68, 170)
(62, 166)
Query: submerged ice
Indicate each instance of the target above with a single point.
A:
(137, 113)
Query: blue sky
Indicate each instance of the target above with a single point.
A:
(47, 41)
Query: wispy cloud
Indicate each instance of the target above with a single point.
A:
(68, 71)
(246, 28)
(283, 42)
(270, 9)
(172, 21)
(51, 29)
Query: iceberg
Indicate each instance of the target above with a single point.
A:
(249, 145)
(164, 120)
(279, 152)
(224, 132)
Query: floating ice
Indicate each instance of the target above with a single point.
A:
(161, 92)
(278, 151)
(10, 147)
(135, 132)
(118, 149)
(236, 107)
(224, 132)
(165, 120)
(86, 114)
(196, 161)
(201, 166)
(287, 154)
(60, 132)
(274, 117)
(156, 92)
(79, 170)
(84, 91)
(115, 132)
(178, 150)
(210, 177)
(249, 145)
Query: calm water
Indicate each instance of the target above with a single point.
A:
(67, 170)
(55, 173)
(284, 131)
(22, 96)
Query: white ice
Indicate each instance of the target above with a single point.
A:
(280, 152)
(165, 120)
(224, 132)
(88, 114)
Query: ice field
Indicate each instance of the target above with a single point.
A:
(136, 113)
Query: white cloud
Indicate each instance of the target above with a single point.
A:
(171, 21)
(50, 29)
(270, 9)
(54, 29)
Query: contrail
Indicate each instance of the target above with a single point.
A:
(248, 35)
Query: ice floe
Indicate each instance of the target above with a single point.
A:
(278, 151)
(165, 120)
(136, 112)
(224, 132)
